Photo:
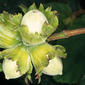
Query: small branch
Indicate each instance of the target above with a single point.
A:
(66, 34)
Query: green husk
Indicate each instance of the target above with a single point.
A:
(52, 20)
(29, 38)
(41, 55)
(20, 55)
(9, 36)
(47, 28)
(32, 7)
(11, 21)
(60, 51)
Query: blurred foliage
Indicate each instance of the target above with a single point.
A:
(82, 80)
(74, 64)
(78, 22)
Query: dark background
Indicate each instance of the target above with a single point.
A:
(74, 64)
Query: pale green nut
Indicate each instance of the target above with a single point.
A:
(16, 62)
(10, 69)
(37, 25)
(34, 21)
(45, 60)
(55, 67)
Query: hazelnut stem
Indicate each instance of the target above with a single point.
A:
(66, 34)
